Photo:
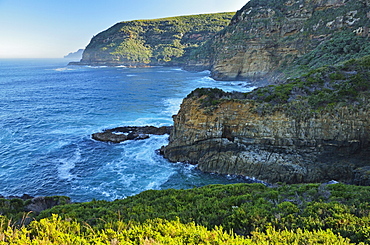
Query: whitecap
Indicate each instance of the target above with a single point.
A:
(67, 164)
(96, 67)
(63, 69)
(152, 186)
(172, 106)
(147, 121)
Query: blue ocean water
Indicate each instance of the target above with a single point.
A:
(49, 111)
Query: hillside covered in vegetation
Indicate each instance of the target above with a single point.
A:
(215, 214)
(167, 41)
(273, 40)
(313, 128)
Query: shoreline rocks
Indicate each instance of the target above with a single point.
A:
(34, 204)
(121, 134)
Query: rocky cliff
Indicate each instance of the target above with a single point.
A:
(266, 37)
(167, 41)
(312, 129)
(75, 55)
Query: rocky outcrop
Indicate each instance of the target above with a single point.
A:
(39, 204)
(311, 130)
(120, 134)
(264, 37)
(234, 139)
(27, 203)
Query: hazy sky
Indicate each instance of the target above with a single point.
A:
(53, 28)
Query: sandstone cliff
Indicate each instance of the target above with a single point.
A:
(266, 37)
(312, 129)
(167, 41)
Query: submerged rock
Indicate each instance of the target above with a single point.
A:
(120, 134)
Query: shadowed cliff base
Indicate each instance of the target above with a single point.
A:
(314, 128)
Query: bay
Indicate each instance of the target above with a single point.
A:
(49, 111)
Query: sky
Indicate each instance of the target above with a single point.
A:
(54, 28)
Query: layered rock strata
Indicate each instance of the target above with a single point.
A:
(235, 139)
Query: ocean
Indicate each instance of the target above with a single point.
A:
(49, 111)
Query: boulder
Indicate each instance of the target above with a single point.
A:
(39, 204)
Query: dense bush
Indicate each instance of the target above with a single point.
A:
(242, 208)
(215, 214)
(342, 46)
(344, 83)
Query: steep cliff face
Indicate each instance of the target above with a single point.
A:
(166, 41)
(264, 37)
(312, 130)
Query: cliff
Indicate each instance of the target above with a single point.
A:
(75, 55)
(167, 41)
(272, 39)
(311, 129)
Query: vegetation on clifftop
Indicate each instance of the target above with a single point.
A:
(247, 213)
(288, 37)
(154, 41)
(341, 47)
(345, 84)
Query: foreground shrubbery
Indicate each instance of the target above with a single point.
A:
(284, 213)
(54, 230)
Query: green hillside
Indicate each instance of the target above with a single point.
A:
(158, 41)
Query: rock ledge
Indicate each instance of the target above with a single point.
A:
(120, 134)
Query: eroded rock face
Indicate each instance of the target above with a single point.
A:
(234, 138)
(265, 36)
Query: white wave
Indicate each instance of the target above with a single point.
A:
(67, 164)
(154, 185)
(204, 72)
(96, 67)
(205, 80)
(131, 75)
(63, 69)
(229, 86)
(172, 106)
(146, 121)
